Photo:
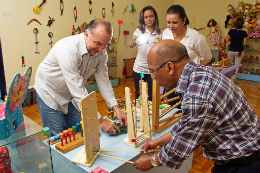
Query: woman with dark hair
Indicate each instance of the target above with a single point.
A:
(194, 42)
(237, 38)
(145, 36)
(178, 30)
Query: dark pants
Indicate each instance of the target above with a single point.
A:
(148, 78)
(252, 167)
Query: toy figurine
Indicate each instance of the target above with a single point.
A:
(214, 33)
(73, 30)
(240, 8)
(247, 8)
(257, 28)
(50, 21)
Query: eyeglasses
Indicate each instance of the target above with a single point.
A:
(151, 71)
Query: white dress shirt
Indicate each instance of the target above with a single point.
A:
(195, 44)
(61, 77)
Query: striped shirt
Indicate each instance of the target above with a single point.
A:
(216, 117)
(61, 76)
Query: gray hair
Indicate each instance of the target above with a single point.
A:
(97, 22)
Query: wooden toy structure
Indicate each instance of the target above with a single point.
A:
(135, 136)
(13, 114)
(87, 155)
(156, 100)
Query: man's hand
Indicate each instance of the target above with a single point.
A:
(150, 145)
(121, 116)
(143, 163)
(108, 127)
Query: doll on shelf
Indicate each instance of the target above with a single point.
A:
(214, 33)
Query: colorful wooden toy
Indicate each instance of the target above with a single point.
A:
(13, 110)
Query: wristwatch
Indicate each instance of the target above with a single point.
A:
(154, 162)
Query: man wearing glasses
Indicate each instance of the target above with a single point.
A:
(215, 116)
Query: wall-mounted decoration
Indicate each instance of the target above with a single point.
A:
(112, 10)
(50, 21)
(75, 13)
(126, 33)
(34, 20)
(38, 7)
(119, 21)
(132, 8)
(23, 65)
(125, 9)
(103, 13)
(35, 31)
(90, 6)
(61, 7)
(50, 34)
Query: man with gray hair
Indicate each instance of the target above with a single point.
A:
(61, 77)
(216, 116)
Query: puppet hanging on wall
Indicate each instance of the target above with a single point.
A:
(214, 33)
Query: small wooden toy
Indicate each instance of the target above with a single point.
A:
(103, 13)
(135, 137)
(160, 125)
(33, 20)
(23, 65)
(61, 7)
(112, 10)
(75, 13)
(38, 7)
(13, 110)
(35, 31)
(50, 21)
(87, 156)
(119, 21)
(90, 6)
(50, 34)
(125, 9)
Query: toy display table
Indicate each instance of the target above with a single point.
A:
(108, 142)
(229, 71)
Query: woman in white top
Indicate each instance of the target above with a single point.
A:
(178, 30)
(195, 43)
(145, 36)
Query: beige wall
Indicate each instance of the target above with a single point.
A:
(18, 38)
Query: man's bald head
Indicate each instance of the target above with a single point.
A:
(168, 50)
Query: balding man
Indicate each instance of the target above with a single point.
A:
(215, 115)
(61, 77)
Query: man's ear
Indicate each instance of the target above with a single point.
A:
(170, 68)
(86, 34)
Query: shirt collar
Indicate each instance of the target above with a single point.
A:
(184, 78)
(147, 31)
(83, 47)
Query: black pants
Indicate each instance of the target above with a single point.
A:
(251, 167)
(148, 78)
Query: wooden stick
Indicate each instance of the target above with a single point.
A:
(154, 127)
(168, 93)
(127, 150)
(169, 100)
(113, 157)
(174, 106)
(175, 115)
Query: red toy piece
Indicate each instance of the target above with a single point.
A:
(61, 138)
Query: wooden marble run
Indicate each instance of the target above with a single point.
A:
(87, 155)
(135, 136)
(157, 100)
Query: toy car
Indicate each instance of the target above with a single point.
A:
(254, 35)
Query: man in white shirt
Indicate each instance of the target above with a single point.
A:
(61, 77)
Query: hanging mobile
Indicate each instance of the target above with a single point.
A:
(126, 33)
(103, 13)
(23, 65)
(90, 6)
(112, 10)
(35, 30)
(119, 21)
(61, 7)
(75, 12)
(50, 34)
